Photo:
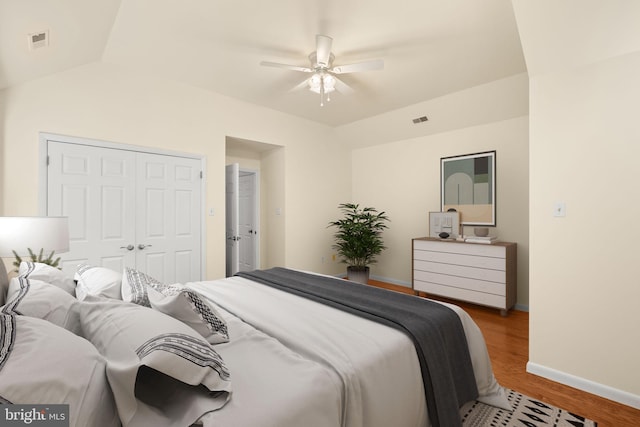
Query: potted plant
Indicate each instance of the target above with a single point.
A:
(39, 258)
(359, 239)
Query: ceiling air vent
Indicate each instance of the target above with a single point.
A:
(420, 120)
(38, 40)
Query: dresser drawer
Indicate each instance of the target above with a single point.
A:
(472, 284)
(498, 276)
(460, 259)
(490, 300)
(479, 249)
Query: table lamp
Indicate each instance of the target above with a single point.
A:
(21, 233)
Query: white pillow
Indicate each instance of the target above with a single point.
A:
(36, 298)
(134, 286)
(156, 365)
(46, 273)
(191, 308)
(43, 364)
(97, 281)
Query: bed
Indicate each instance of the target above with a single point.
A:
(122, 348)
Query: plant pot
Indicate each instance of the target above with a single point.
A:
(358, 274)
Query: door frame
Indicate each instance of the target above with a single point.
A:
(44, 137)
(231, 219)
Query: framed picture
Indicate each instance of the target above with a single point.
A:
(468, 185)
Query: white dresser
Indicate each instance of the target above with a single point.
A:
(474, 272)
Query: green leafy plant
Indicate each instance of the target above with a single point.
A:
(358, 239)
(39, 258)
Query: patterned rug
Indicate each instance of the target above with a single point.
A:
(527, 412)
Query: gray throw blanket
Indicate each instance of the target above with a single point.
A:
(435, 330)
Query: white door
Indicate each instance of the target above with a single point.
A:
(232, 219)
(168, 217)
(127, 208)
(248, 224)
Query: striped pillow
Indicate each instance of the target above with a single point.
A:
(134, 286)
(190, 307)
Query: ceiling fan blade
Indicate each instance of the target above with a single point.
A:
(286, 66)
(342, 87)
(303, 84)
(323, 50)
(376, 64)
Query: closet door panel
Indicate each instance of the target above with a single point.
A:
(95, 188)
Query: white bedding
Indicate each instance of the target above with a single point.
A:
(273, 386)
(374, 367)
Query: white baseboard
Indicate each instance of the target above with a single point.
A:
(592, 387)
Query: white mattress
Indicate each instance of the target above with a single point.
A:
(322, 366)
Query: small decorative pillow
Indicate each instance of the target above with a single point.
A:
(36, 298)
(134, 286)
(43, 364)
(97, 281)
(156, 365)
(191, 308)
(46, 273)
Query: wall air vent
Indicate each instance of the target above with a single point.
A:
(420, 120)
(38, 40)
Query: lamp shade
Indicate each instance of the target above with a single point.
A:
(20, 233)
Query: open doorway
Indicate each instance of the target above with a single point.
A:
(254, 199)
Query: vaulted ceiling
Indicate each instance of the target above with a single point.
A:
(429, 47)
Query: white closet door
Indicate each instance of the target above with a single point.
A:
(168, 217)
(95, 188)
(128, 208)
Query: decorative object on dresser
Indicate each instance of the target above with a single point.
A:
(468, 185)
(481, 231)
(358, 239)
(479, 239)
(444, 222)
(484, 274)
(20, 233)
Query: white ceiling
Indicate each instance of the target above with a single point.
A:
(430, 47)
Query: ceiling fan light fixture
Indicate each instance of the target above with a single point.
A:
(322, 82)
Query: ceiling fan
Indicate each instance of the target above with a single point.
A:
(323, 80)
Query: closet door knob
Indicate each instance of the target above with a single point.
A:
(141, 246)
(128, 247)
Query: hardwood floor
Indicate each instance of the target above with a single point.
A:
(507, 340)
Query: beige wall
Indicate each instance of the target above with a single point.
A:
(584, 146)
(102, 102)
(585, 142)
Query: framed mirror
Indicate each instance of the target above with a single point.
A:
(468, 185)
